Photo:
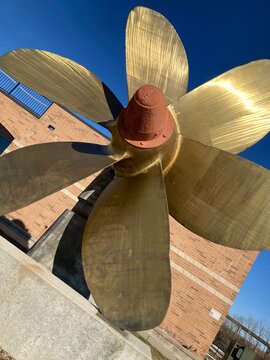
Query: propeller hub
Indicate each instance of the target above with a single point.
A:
(146, 122)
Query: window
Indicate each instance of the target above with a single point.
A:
(4, 143)
(6, 82)
(5, 138)
(33, 101)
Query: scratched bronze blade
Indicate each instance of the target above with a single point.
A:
(154, 54)
(126, 251)
(63, 81)
(220, 196)
(230, 112)
(33, 172)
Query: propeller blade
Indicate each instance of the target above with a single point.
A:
(63, 81)
(220, 196)
(126, 251)
(154, 55)
(230, 112)
(33, 172)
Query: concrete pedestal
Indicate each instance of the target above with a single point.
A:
(44, 319)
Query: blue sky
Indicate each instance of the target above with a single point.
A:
(217, 35)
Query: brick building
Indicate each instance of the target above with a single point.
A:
(205, 277)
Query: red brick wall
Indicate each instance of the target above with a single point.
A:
(204, 275)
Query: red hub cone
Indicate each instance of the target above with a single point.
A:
(146, 122)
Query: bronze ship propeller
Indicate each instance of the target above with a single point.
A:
(172, 153)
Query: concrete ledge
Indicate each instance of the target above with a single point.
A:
(169, 348)
(43, 318)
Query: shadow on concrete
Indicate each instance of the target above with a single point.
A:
(59, 248)
(67, 264)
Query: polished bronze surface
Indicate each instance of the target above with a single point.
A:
(33, 172)
(232, 111)
(126, 251)
(63, 81)
(215, 194)
(154, 55)
(138, 160)
(220, 196)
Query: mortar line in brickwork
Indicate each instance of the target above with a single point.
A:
(79, 186)
(183, 271)
(204, 268)
(69, 194)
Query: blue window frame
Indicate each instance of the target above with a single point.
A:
(30, 99)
